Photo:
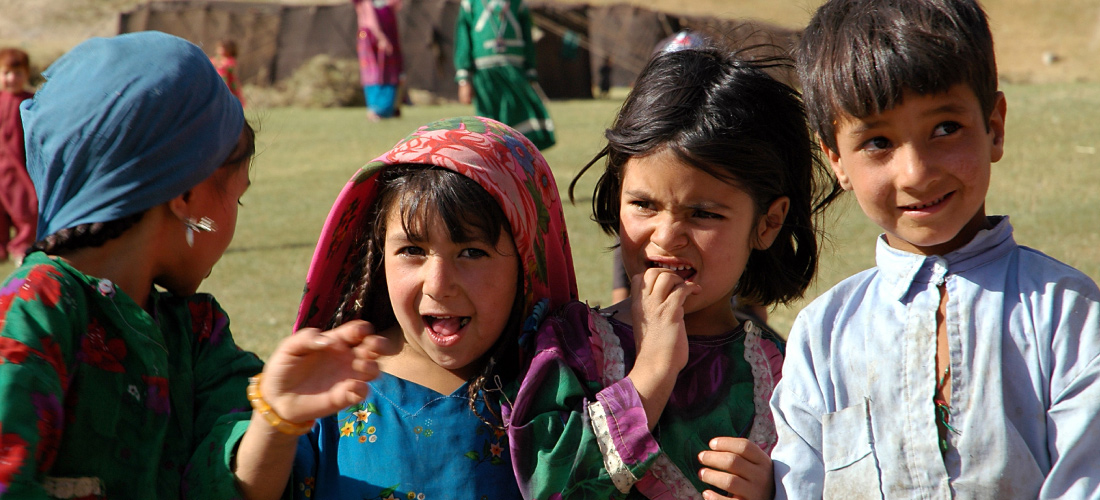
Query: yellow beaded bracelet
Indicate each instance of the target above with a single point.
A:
(258, 404)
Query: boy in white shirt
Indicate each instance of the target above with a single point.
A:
(963, 365)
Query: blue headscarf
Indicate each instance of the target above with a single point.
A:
(124, 124)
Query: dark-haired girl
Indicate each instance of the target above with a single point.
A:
(712, 186)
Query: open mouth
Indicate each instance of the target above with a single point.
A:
(445, 330)
(930, 204)
(682, 270)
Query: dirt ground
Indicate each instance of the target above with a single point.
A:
(1037, 40)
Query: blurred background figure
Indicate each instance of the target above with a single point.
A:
(225, 61)
(18, 203)
(605, 77)
(381, 67)
(495, 67)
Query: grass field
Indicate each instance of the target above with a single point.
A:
(1047, 182)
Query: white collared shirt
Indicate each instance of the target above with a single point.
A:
(854, 410)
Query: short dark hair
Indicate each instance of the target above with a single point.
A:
(722, 113)
(858, 57)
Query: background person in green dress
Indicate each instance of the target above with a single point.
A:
(495, 67)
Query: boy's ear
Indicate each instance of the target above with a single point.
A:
(835, 163)
(770, 224)
(996, 127)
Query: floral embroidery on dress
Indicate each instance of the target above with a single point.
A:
(156, 395)
(13, 351)
(47, 407)
(306, 486)
(98, 350)
(42, 282)
(51, 353)
(207, 322)
(492, 447)
(13, 451)
(356, 424)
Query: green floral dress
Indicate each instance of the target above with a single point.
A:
(101, 399)
(495, 52)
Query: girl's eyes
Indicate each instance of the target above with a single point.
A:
(876, 144)
(470, 253)
(648, 206)
(946, 128)
(473, 253)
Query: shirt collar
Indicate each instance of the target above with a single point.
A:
(901, 269)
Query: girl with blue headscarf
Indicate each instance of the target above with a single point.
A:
(110, 387)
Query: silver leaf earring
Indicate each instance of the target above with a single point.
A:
(203, 225)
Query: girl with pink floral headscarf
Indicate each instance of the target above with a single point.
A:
(450, 245)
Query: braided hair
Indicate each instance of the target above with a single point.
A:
(421, 193)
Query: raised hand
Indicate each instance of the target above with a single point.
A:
(657, 313)
(737, 467)
(658, 316)
(313, 373)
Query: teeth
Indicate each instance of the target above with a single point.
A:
(464, 322)
(926, 205)
(674, 268)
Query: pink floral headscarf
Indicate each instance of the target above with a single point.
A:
(500, 160)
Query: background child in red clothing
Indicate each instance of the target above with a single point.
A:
(225, 61)
(18, 204)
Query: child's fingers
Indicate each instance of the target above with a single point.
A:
(736, 486)
(737, 466)
(680, 293)
(742, 447)
(366, 369)
(307, 341)
(658, 286)
(357, 336)
(353, 332)
(379, 346)
(349, 392)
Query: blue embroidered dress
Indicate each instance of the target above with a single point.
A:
(405, 441)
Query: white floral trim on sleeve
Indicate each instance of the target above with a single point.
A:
(606, 350)
(612, 461)
(763, 425)
(674, 479)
